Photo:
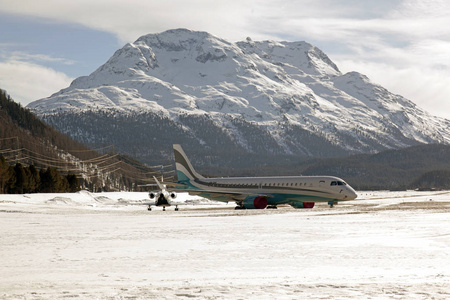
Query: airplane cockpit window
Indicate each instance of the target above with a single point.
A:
(338, 183)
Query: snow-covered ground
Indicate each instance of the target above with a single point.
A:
(383, 245)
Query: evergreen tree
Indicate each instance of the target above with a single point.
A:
(20, 179)
(74, 184)
(6, 172)
(50, 181)
(35, 179)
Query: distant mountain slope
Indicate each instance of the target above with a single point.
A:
(25, 139)
(423, 166)
(413, 167)
(266, 98)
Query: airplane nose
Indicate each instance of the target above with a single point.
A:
(351, 195)
(348, 193)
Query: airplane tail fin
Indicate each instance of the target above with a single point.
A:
(160, 186)
(185, 171)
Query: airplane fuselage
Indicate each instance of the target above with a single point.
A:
(282, 189)
(261, 192)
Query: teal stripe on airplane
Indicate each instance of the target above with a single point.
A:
(182, 177)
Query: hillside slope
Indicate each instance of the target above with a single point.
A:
(25, 139)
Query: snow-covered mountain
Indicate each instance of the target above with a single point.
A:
(264, 97)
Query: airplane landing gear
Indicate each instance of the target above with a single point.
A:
(271, 207)
(149, 208)
(332, 203)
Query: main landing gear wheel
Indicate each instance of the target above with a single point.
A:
(149, 208)
(239, 207)
(332, 203)
(272, 207)
(176, 208)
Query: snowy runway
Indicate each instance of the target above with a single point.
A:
(391, 245)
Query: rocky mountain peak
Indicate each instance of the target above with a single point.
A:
(289, 94)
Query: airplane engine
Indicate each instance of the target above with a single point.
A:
(255, 202)
(303, 205)
(173, 195)
(153, 195)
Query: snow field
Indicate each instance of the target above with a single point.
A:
(387, 245)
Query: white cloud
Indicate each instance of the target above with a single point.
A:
(426, 87)
(26, 81)
(130, 19)
(24, 56)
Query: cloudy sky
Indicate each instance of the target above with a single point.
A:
(404, 45)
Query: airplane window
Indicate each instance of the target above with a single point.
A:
(340, 183)
(333, 183)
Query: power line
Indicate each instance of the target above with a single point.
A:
(63, 161)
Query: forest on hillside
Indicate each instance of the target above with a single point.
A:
(19, 179)
(27, 143)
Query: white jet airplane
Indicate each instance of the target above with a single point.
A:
(162, 197)
(261, 192)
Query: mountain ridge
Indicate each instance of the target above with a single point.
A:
(285, 91)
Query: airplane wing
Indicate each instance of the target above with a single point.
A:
(173, 184)
(159, 183)
(224, 196)
(167, 184)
